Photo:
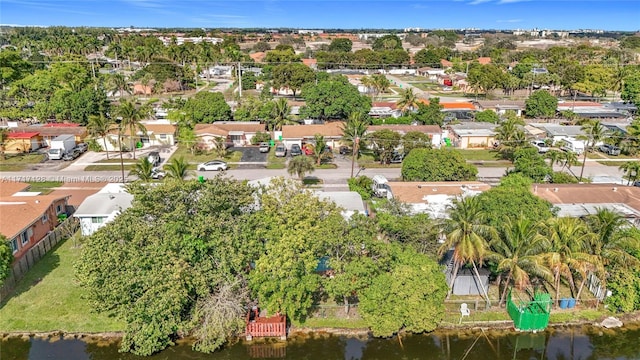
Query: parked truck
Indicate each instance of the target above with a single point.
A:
(61, 145)
(573, 145)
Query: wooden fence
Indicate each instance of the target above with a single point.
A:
(37, 252)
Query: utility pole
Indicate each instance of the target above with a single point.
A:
(355, 151)
(240, 80)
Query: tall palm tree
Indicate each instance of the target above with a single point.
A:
(98, 127)
(4, 135)
(609, 242)
(177, 168)
(568, 159)
(119, 84)
(408, 101)
(143, 170)
(354, 129)
(281, 113)
(518, 251)
(567, 252)
(594, 133)
(300, 165)
(380, 83)
(131, 119)
(631, 170)
(468, 236)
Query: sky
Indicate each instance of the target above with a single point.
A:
(621, 15)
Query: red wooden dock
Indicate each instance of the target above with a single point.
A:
(261, 326)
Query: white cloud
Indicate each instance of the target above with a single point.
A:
(509, 21)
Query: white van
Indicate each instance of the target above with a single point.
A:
(573, 145)
(55, 154)
(380, 187)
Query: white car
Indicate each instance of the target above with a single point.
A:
(214, 165)
(541, 146)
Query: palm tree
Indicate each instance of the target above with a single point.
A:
(567, 251)
(300, 165)
(177, 168)
(4, 135)
(594, 133)
(408, 101)
(555, 157)
(510, 137)
(119, 84)
(143, 169)
(354, 129)
(320, 148)
(131, 117)
(568, 159)
(631, 170)
(98, 127)
(518, 251)
(609, 242)
(468, 237)
(281, 112)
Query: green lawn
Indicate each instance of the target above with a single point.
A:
(231, 156)
(480, 155)
(44, 187)
(107, 167)
(19, 162)
(274, 162)
(49, 299)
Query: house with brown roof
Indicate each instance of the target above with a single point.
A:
(49, 132)
(22, 142)
(433, 198)
(27, 217)
(501, 106)
(302, 134)
(578, 200)
(234, 133)
(433, 131)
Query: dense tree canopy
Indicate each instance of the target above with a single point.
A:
(541, 104)
(322, 101)
(207, 107)
(437, 165)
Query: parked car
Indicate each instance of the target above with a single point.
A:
(154, 158)
(344, 150)
(296, 150)
(610, 149)
(214, 165)
(264, 147)
(71, 154)
(636, 183)
(281, 150)
(83, 147)
(541, 146)
(157, 173)
(397, 158)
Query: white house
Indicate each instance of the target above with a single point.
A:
(102, 207)
(160, 133)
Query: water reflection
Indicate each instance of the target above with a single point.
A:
(569, 344)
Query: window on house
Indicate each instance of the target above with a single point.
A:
(162, 136)
(58, 209)
(45, 218)
(97, 220)
(24, 237)
(14, 245)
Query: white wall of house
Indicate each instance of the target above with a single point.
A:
(90, 224)
(208, 141)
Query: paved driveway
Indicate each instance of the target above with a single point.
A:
(251, 158)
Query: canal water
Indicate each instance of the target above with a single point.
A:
(586, 343)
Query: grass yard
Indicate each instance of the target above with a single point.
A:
(231, 156)
(274, 162)
(49, 299)
(44, 187)
(480, 155)
(19, 162)
(108, 167)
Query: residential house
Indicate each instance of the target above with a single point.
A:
(27, 217)
(102, 207)
(49, 132)
(349, 202)
(433, 131)
(235, 133)
(578, 200)
(433, 198)
(22, 142)
(472, 134)
(558, 133)
(302, 134)
(501, 106)
(430, 73)
(159, 133)
(312, 63)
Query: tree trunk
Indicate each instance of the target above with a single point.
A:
(584, 161)
(557, 283)
(486, 296)
(506, 286)
(580, 288)
(456, 266)
(133, 143)
(104, 140)
(346, 306)
(121, 160)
